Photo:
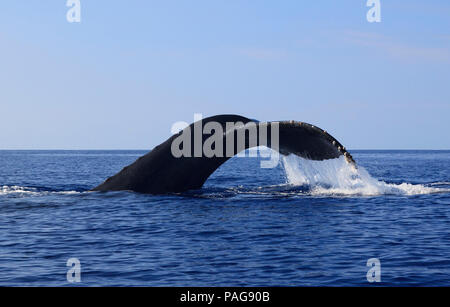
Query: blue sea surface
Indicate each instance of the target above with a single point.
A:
(248, 226)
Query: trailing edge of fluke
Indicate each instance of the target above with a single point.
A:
(161, 171)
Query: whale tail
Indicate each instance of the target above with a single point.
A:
(186, 160)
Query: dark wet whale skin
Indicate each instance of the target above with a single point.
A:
(159, 172)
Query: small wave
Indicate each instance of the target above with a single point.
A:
(337, 177)
(440, 183)
(31, 191)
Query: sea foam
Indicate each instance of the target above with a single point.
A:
(337, 177)
(29, 191)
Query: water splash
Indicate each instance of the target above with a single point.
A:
(30, 191)
(337, 177)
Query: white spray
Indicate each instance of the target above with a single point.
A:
(337, 177)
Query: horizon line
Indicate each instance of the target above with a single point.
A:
(146, 149)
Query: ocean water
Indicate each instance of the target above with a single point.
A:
(303, 223)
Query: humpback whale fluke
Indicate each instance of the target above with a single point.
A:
(161, 171)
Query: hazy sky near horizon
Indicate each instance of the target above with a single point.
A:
(130, 69)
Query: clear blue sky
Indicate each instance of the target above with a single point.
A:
(130, 69)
